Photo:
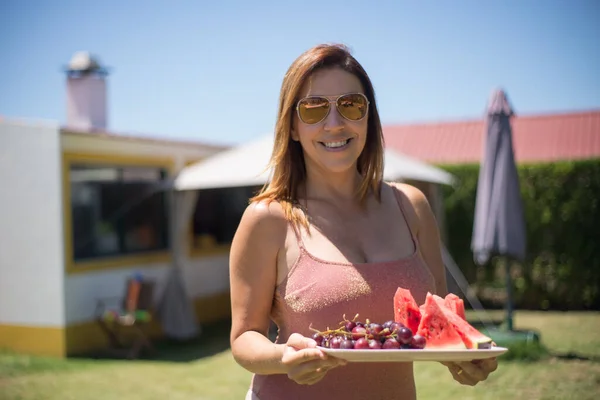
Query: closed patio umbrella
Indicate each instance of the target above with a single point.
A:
(499, 224)
(175, 308)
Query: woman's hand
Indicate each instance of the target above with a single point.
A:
(305, 364)
(473, 372)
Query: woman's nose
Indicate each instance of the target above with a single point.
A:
(333, 120)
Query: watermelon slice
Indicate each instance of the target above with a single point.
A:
(406, 310)
(471, 337)
(456, 304)
(436, 329)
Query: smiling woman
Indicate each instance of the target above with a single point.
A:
(327, 237)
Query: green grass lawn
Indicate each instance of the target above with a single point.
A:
(207, 370)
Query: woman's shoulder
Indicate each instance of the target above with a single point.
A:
(262, 228)
(414, 203)
(269, 212)
(410, 195)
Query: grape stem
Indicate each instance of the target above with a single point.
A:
(346, 320)
(330, 331)
(346, 333)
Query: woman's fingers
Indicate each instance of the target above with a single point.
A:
(489, 365)
(314, 367)
(301, 349)
(299, 342)
(312, 371)
(471, 373)
(305, 363)
(461, 376)
(311, 380)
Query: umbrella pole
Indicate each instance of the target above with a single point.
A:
(509, 294)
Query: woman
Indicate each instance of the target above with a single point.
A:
(327, 237)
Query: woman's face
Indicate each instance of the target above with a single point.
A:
(334, 144)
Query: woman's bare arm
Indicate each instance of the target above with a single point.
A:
(426, 229)
(253, 274)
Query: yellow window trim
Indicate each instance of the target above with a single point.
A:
(194, 161)
(146, 258)
(208, 251)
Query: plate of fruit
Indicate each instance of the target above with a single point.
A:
(435, 331)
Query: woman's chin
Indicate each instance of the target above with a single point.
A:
(337, 168)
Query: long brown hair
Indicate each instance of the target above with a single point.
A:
(287, 159)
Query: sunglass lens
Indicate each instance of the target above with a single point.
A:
(313, 109)
(352, 106)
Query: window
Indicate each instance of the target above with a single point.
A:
(117, 210)
(218, 214)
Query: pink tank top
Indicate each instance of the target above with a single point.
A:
(320, 292)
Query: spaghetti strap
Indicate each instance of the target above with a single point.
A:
(403, 211)
(298, 236)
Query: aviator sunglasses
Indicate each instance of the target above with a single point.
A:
(314, 109)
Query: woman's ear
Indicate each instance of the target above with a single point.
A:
(294, 135)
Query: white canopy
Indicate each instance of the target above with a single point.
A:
(245, 165)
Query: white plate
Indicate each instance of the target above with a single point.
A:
(409, 355)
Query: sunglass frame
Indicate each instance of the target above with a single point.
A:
(334, 101)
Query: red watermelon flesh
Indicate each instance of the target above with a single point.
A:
(456, 304)
(436, 329)
(406, 309)
(471, 337)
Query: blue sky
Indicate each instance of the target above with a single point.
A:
(212, 71)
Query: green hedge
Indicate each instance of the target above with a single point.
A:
(562, 270)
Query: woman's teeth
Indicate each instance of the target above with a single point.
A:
(333, 145)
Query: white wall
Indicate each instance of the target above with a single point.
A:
(31, 232)
(206, 276)
(202, 277)
(83, 290)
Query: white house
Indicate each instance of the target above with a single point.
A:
(79, 214)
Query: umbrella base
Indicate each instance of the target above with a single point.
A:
(508, 338)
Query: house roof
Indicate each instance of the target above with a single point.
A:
(143, 138)
(536, 138)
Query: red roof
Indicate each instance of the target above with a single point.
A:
(549, 137)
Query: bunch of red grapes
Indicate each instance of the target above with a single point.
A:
(369, 336)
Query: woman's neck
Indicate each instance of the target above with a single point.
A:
(333, 186)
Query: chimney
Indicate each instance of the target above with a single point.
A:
(86, 93)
